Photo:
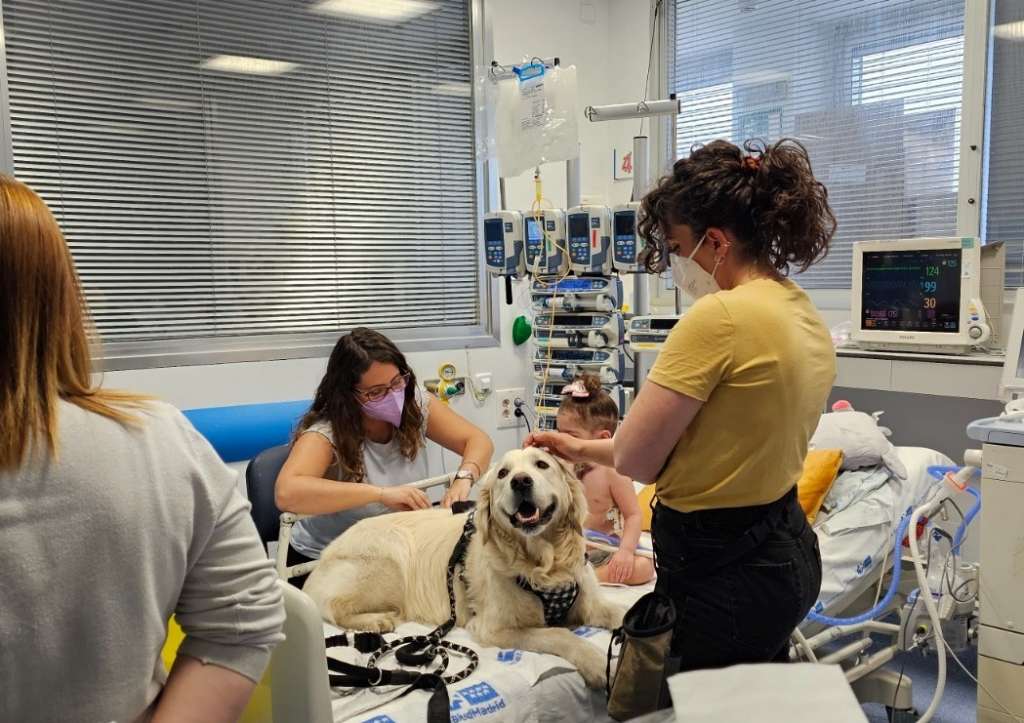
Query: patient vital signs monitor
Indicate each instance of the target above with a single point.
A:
(939, 295)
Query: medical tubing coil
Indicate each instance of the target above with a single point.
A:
(894, 585)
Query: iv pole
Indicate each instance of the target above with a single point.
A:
(642, 182)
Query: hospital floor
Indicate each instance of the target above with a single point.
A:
(958, 702)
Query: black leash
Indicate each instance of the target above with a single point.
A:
(413, 650)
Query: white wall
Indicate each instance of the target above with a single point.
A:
(579, 32)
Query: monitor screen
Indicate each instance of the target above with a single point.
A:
(625, 224)
(911, 291)
(494, 231)
(663, 324)
(578, 226)
(534, 230)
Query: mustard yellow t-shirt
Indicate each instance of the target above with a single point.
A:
(761, 359)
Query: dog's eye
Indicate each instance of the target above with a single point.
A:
(502, 474)
(541, 464)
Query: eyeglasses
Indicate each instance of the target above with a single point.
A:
(375, 394)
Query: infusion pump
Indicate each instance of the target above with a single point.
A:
(566, 364)
(503, 243)
(544, 237)
(588, 233)
(626, 244)
(648, 333)
(548, 397)
(590, 293)
(573, 331)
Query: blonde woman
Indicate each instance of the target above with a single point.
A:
(114, 514)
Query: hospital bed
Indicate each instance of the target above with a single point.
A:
(523, 686)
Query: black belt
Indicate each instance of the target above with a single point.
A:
(760, 521)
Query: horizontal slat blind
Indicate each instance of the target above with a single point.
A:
(1004, 209)
(201, 203)
(871, 88)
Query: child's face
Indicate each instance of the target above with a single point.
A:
(571, 424)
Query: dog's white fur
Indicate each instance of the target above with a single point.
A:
(391, 569)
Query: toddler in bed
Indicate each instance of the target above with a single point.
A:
(588, 412)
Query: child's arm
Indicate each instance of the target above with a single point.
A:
(624, 497)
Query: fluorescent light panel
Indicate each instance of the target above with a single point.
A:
(245, 64)
(382, 11)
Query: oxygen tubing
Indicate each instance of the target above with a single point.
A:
(894, 585)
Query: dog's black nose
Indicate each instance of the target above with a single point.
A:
(521, 483)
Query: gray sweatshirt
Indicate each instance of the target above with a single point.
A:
(100, 544)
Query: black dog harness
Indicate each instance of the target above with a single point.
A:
(414, 650)
(556, 601)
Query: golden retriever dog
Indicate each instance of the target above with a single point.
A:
(529, 534)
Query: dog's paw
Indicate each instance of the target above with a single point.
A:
(379, 624)
(591, 666)
(369, 622)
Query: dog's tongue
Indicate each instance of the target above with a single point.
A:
(527, 513)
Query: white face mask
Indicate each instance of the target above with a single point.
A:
(691, 278)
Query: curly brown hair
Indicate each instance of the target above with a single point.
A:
(336, 400)
(766, 195)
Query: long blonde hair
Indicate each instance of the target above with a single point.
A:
(44, 347)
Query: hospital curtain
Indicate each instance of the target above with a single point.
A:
(238, 171)
(871, 88)
(1003, 218)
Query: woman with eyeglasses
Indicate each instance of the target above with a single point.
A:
(362, 442)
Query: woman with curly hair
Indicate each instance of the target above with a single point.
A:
(735, 394)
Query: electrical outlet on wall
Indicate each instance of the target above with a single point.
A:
(506, 399)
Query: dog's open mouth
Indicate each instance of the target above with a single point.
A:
(528, 516)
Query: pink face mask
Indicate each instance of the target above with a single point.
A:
(388, 408)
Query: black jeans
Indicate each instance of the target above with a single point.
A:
(744, 611)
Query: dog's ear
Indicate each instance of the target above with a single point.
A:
(568, 543)
(577, 497)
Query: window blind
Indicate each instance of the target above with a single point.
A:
(243, 168)
(872, 89)
(1004, 218)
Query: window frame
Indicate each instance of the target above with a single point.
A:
(118, 356)
(973, 120)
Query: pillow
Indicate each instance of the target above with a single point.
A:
(861, 440)
(820, 469)
(644, 496)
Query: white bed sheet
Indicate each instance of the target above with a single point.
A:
(525, 687)
(854, 541)
(510, 685)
